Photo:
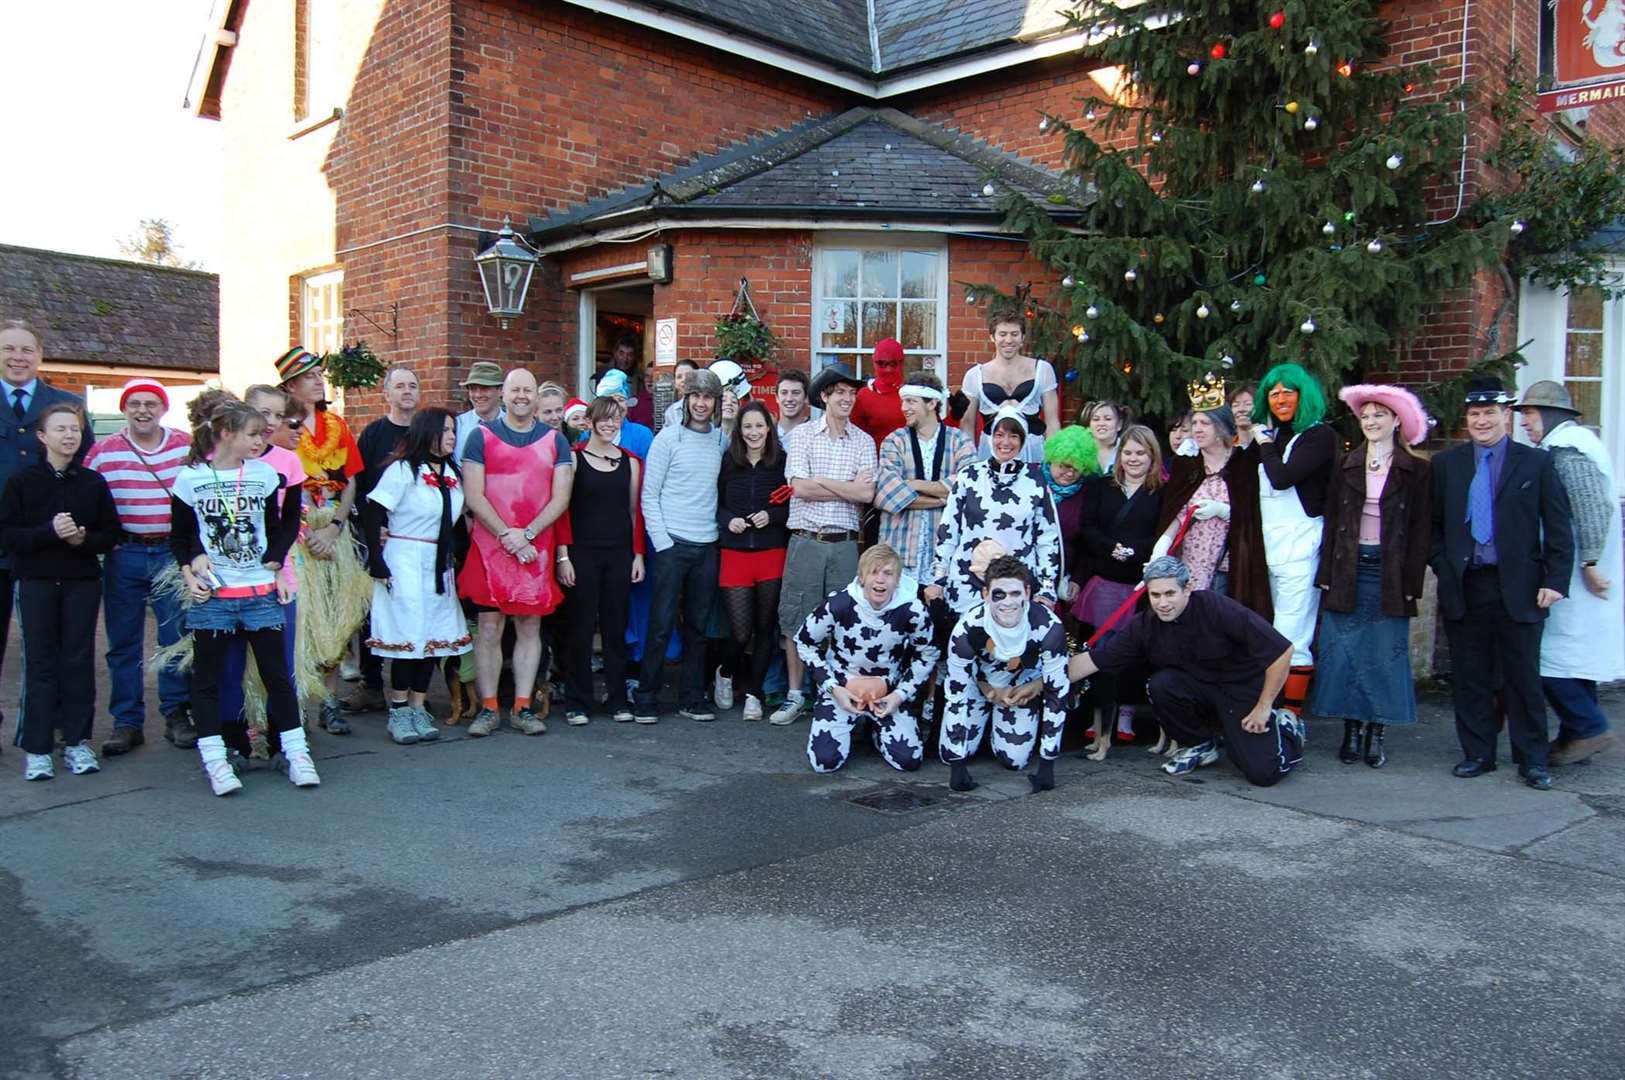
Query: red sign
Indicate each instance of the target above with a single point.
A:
(1586, 44)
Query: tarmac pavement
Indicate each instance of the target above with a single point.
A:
(690, 900)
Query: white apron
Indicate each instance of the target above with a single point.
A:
(1292, 551)
(1585, 634)
(410, 620)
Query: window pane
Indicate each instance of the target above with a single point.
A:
(920, 274)
(879, 321)
(880, 274)
(919, 330)
(1585, 309)
(1584, 355)
(1588, 399)
(840, 273)
(838, 324)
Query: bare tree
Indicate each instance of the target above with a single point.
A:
(153, 242)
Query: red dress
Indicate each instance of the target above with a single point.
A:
(518, 484)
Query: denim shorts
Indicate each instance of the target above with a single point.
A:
(228, 614)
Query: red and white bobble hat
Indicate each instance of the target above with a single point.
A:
(143, 386)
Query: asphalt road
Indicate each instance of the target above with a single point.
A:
(689, 900)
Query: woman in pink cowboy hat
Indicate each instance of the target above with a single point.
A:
(1373, 553)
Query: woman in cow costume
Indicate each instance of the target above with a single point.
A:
(1006, 670)
(868, 651)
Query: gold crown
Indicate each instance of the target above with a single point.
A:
(1206, 394)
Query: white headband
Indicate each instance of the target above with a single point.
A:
(930, 393)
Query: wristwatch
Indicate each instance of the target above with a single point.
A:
(530, 534)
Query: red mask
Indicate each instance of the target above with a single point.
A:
(888, 376)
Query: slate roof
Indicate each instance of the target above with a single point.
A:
(106, 311)
(864, 162)
(901, 35)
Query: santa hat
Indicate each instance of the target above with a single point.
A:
(143, 386)
(573, 407)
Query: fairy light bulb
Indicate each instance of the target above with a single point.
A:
(1375, 247)
(1043, 123)
(1193, 68)
(1203, 312)
(1329, 229)
(988, 189)
(1235, 307)
(1130, 275)
(1518, 227)
(1258, 186)
(1312, 48)
(1091, 312)
(1308, 326)
(1310, 123)
(1068, 281)
(1394, 161)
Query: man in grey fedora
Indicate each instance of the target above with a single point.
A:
(484, 389)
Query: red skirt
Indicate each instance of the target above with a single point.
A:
(742, 569)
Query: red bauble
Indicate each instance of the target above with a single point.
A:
(1218, 51)
(1278, 20)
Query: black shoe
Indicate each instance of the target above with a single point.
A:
(122, 741)
(1376, 755)
(1537, 778)
(179, 729)
(1471, 767)
(1350, 753)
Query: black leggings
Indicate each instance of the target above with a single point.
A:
(209, 660)
(753, 616)
(411, 676)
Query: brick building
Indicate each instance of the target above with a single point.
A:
(833, 152)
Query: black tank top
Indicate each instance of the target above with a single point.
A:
(601, 504)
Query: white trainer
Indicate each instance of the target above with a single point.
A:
(81, 759)
(723, 691)
(222, 777)
(753, 708)
(301, 770)
(38, 767)
(788, 712)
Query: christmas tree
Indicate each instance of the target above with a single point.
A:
(1257, 192)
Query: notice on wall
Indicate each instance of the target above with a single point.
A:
(832, 317)
(665, 343)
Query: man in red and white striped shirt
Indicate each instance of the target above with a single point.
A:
(139, 465)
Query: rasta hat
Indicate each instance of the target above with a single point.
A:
(294, 363)
(1413, 419)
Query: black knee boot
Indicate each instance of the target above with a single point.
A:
(1043, 777)
(959, 777)
(1376, 755)
(1350, 753)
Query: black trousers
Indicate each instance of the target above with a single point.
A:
(600, 601)
(370, 663)
(1193, 711)
(208, 660)
(7, 599)
(59, 660)
(1490, 652)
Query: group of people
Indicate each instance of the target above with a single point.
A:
(913, 565)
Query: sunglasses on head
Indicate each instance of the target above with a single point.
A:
(1006, 594)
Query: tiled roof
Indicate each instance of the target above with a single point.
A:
(884, 36)
(864, 162)
(105, 311)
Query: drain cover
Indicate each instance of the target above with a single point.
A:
(895, 800)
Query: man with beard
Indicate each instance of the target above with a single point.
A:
(868, 650)
(1006, 670)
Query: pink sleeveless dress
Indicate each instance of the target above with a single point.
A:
(518, 483)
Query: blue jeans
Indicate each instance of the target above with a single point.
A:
(685, 576)
(1575, 703)
(126, 591)
(236, 662)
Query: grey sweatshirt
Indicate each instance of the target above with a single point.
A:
(680, 485)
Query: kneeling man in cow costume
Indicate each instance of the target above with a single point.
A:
(1006, 669)
(868, 651)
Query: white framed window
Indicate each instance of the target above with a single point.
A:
(869, 288)
(1577, 338)
(321, 312)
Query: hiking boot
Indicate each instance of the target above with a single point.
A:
(526, 722)
(403, 727)
(333, 717)
(788, 712)
(179, 729)
(1577, 750)
(38, 767)
(423, 723)
(122, 741)
(366, 699)
(486, 722)
(1192, 758)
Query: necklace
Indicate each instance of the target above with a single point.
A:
(1375, 462)
(237, 492)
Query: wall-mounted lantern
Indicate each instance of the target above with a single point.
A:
(505, 269)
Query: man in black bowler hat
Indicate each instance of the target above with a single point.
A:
(1503, 550)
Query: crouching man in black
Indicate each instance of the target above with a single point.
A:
(1217, 668)
(1006, 671)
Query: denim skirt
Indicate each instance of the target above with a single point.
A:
(228, 614)
(1363, 659)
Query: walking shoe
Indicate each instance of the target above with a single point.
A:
(788, 712)
(753, 708)
(38, 767)
(81, 759)
(1577, 750)
(333, 718)
(723, 691)
(221, 777)
(1192, 758)
(485, 723)
(526, 722)
(1292, 724)
(623, 715)
(122, 741)
(699, 712)
(300, 769)
(179, 729)
(403, 726)
(366, 699)
(646, 715)
(575, 718)
(423, 723)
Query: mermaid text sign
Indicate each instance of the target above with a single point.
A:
(1582, 51)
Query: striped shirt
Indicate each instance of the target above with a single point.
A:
(140, 492)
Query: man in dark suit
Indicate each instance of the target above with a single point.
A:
(1503, 550)
(26, 395)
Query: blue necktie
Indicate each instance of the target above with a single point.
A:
(17, 405)
(1480, 497)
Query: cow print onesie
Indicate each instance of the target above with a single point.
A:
(847, 636)
(1015, 729)
(1009, 503)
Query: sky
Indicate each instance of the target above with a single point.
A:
(96, 133)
